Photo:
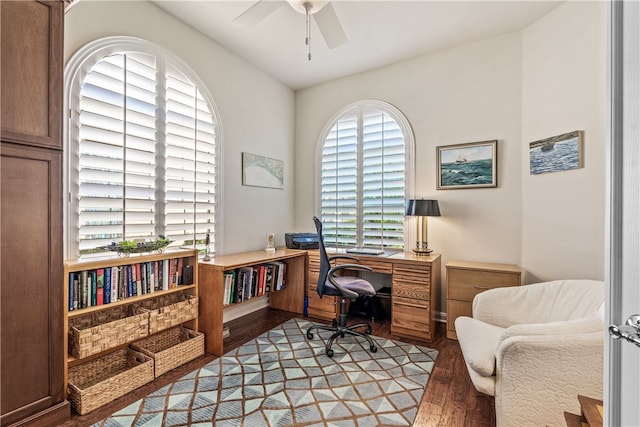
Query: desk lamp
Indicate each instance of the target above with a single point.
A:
(422, 209)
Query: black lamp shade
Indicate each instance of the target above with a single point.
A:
(421, 207)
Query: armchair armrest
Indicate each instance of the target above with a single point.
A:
(564, 327)
(540, 376)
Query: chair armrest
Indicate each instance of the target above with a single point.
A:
(344, 291)
(538, 377)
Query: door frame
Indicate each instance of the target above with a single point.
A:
(622, 211)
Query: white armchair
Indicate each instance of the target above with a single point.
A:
(535, 348)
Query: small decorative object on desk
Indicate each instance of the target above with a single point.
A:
(206, 248)
(271, 243)
(128, 247)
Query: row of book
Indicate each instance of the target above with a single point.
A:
(106, 285)
(245, 283)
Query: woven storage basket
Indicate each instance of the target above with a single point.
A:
(171, 348)
(102, 380)
(106, 329)
(170, 310)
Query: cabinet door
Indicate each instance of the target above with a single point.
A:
(31, 290)
(31, 55)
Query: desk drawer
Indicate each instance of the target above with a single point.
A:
(377, 266)
(411, 318)
(413, 291)
(314, 260)
(464, 285)
(322, 308)
(412, 272)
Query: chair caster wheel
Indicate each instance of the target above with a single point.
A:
(329, 352)
(368, 331)
(373, 349)
(334, 323)
(309, 335)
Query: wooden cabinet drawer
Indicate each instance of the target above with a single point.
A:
(421, 274)
(465, 280)
(411, 318)
(377, 266)
(322, 308)
(456, 309)
(464, 284)
(314, 260)
(412, 291)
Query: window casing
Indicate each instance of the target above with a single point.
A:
(365, 176)
(143, 140)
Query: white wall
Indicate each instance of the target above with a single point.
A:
(564, 89)
(466, 94)
(516, 88)
(256, 112)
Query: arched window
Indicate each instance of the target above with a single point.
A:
(143, 141)
(366, 170)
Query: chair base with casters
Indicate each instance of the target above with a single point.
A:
(340, 329)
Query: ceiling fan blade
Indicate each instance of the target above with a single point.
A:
(256, 13)
(330, 26)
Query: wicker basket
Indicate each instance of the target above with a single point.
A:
(170, 310)
(171, 348)
(100, 381)
(106, 329)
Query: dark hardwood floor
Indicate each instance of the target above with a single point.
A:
(449, 400)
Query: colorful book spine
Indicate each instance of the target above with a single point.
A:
(107, 285)
(100, 286)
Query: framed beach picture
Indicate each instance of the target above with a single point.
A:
(558, 153)
(260, 171)
(472, 165)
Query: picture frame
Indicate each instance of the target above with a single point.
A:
(557, 153)
(261, 171)
(469, 165)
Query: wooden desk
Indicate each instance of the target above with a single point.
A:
(211, 288)
(415, 290)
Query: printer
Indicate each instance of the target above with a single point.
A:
(301, 240)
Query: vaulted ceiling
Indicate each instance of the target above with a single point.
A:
(378, 32)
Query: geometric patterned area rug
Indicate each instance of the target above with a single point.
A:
(282, 379)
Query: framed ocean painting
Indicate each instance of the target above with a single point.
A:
(558, 153)
(472, 165)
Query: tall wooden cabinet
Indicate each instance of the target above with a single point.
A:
(31, 297)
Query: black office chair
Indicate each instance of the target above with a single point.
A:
(346, 287)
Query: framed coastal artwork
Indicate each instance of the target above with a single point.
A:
(555, 154)
(260, 171)
(472, 165)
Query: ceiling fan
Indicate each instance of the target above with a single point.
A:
(321, 10)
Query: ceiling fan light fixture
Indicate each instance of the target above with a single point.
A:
(307, 6)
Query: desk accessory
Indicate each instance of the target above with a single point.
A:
(422, 208)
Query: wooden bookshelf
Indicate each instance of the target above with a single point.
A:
(211, 288)
(189, 257)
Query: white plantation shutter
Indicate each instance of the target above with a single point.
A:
(339, 193)
(190, 160)
(144, 151)
(363, 178)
